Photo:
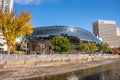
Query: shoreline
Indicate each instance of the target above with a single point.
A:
(27, 73)
(74, 69)
(14, 61)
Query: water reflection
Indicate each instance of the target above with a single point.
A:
(107, 75)
(111, 74)
(97, 76)
(93, 77)
(73, 78)
(106, 72)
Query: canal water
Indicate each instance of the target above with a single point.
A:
(103, 72)
(112, 74)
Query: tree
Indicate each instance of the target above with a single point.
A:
(84, 48)
(61, 44)
(115, 50)
(15, 25)
(87, 47)
(105, 47)
(92, 46)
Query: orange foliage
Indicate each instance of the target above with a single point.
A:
(115, 50)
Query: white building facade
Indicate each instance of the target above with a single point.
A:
(3, 45)
(6, 5)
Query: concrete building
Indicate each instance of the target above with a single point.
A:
(107, 31)
(3, 46)
(5, 6)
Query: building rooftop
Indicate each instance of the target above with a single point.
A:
(80, 33)
(105, 22)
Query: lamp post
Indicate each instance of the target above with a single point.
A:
(26, 43)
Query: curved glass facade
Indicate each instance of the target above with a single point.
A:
(47, 31)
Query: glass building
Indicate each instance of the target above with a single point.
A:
(48, 31)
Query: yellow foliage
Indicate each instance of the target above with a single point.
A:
(15, 25)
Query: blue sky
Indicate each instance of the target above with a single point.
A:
(78, 13)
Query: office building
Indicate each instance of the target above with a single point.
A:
(107, 31)
(3, 46)
(6, 5)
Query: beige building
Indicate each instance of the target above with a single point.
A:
(107, 31)
(118, 31)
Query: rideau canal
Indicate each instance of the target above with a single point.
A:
(103, 72)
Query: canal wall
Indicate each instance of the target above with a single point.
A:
(80, 72)
(12, 61)
(61, 72)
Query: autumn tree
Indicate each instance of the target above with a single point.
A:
(92, 46)
(13, 25)
(61, 44)
(84, 48)
(115, 50)
(105, 47)
(87, 47)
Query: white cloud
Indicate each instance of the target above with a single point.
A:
(36, 2)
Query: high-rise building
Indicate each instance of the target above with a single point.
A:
(107, 31)
(3, 45)
(6, 5)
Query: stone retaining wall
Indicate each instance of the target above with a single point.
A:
(50, 60)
